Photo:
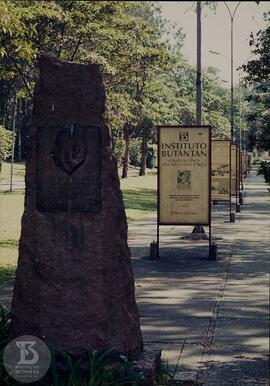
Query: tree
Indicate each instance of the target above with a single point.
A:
(5, 144)
(148, 81)
(258, 77)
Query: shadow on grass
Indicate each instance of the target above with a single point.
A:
(7, 273)
(143, 199)
(10, 243)
(12, 193)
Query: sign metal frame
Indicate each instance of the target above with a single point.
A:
(238, 177)
(230, 171)
(209, 223)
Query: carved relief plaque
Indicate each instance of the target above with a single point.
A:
(69, 169)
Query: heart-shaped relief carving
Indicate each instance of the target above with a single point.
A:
(70, 148)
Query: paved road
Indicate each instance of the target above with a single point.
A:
(215, 312)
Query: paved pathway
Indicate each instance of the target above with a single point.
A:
(215, 312)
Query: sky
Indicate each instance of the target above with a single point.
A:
(216, 32)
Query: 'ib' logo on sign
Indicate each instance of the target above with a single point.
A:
(183, 136)
(28, 355)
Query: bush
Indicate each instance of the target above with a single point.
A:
(118, 150)
(97, 369)
(265, 170)
(5, 144)
(151, 157)
(135, 152)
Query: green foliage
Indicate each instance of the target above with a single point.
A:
(5, 143)
(257, 161)
(118, 149)
(135, 152)
(107, 368)
(151, 157)
(265, 170)
(4, 336)
(258, 75)
(7, 272)
(258, 70)
(148, 81)
(4, 326)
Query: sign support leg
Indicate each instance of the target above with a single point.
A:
(237, 208)
(232, 214)
(157, 241)
(212, 245)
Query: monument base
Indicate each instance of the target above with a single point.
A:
(195, 236)
(149, 363)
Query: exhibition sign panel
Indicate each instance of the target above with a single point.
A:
(242, 169)
(221, 170)
(238, 168)
(184, 178)
(246, 162)
(233, 168)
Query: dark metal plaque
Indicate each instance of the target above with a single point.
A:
(69, 169)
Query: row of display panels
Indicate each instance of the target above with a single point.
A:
(192, 171)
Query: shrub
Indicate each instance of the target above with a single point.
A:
(265, 170)
(5, 144)
(118, 150)
(151, 157)
(135, 152)
(97, 369)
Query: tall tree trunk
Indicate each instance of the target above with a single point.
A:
(143, 156)
(126, 153)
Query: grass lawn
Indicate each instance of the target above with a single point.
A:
(11, 209)
(139, 203)
(18, 171)
(139, 194)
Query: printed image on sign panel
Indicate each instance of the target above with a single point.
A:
(233, 168)
(220, 170)
(184, 179)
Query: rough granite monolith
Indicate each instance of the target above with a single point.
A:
(74, 283)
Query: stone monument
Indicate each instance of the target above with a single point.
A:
(74, 284)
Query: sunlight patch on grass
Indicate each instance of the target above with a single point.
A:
(140, 199)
